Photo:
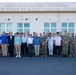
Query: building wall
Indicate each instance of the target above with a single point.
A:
(37, 25)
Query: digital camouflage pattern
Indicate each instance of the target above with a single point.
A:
(65, 46)
(72, 46)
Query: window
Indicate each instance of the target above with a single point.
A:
(53, 30)
(69, 27)
(26, 25)
(7, 27)
(23, 27)
(46, 30)
(8, 30)
(19, 30)
(1, 30)
(50, 27)
(2, 25)
(53, 24)
(63, 30)
(26, 30)
(46, 25)
(19, 25)
(71, 30)
(64, 24)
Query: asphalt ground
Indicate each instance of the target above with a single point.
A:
(38, 66)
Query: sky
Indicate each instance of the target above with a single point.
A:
(37, 0)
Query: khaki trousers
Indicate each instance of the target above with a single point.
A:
(18, 51)
(37, 47)
(4, 49)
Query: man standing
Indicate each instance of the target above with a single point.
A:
(61, 42)
(11, 44)
(24, 44)
(37, 43)
(75, 45)
(72, 45)
(50, 44)
(44, 44)
(27, 35)
(30, 45)
(17, 43)
(40, 44)
(57, 42)
(65, 42)
(4, 44)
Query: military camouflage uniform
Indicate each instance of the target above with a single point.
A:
(75, 45)
(65, 46)
(44, 47)
(72, 46)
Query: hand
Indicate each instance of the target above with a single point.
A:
(42, 43)
(66, 42)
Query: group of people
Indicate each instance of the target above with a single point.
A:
(46, 44)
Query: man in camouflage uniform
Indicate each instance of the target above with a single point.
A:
(44, 45)
(61, 42)
(65, 41)
(72, 45)
(40, 44)
(75, 45)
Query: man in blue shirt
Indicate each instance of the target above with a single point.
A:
(37, 43)
(4, 44)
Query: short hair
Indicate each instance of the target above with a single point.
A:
(21, 33)
(50, 33)
(65, 31)
(57, 33)
(17, 33)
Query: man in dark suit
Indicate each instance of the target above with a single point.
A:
(11, 44)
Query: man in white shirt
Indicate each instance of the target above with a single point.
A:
(24, 44)
(57, 42)
(50, 44)
(30, 45)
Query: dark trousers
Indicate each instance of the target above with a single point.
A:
(57, 50)
(30, 50)
(69, 48)
(24, 49)
(11, 50)
(60, 48)
(54, 50)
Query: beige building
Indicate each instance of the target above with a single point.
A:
(38, 17)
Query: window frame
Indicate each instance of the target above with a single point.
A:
(50, 28)
(23, 28)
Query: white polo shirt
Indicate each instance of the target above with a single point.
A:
(50, 41)
(24, 39)
(30, 40)
(57, 40)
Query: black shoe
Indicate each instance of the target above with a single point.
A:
(65, 56)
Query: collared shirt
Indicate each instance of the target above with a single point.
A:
(30, 40)
(4, 39)
(24, 39)
(10, 37)
(57, 40)
(17, 40)
(50, 41)
(43, 39)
